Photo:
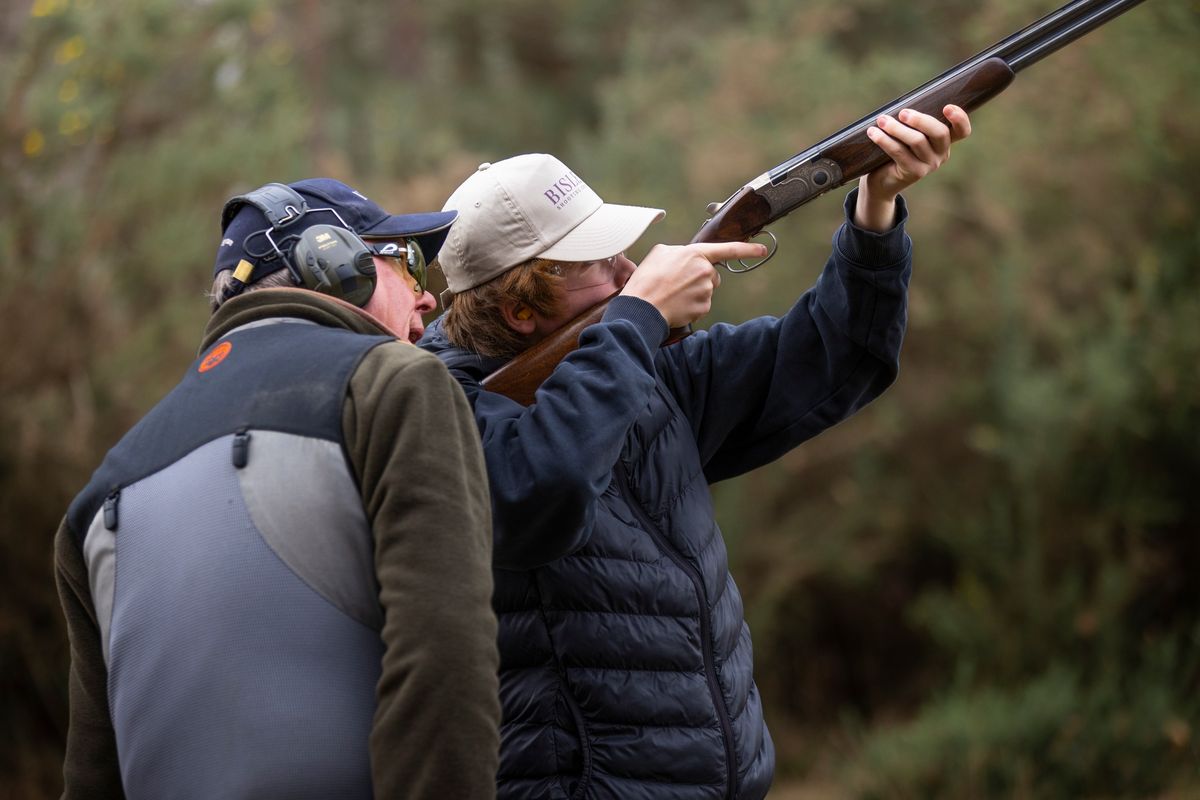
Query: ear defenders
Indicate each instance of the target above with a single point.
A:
(334, 261)
(325, 258)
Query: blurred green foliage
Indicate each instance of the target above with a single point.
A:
(978, 587)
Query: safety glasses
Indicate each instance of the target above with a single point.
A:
(580, 275)
(407, 252)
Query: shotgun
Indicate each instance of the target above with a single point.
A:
(832, 162)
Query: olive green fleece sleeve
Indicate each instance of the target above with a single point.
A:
(413, 443)
(90, 768)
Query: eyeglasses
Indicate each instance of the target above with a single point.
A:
(606, 268)
(409, 253)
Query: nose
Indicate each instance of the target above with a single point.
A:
(426, 303)
(622, 269)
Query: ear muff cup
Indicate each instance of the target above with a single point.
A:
(333, 261)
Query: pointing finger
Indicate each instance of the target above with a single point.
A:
(723, 251)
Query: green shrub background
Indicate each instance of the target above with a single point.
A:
(979, 587)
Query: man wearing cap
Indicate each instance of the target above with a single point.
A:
(626, 667)
(278, 583)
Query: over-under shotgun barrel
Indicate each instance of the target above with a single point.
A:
(834, 161)
(849, 154)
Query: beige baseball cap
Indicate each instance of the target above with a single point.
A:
(532, 206)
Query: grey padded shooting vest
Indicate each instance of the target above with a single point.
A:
(232, 571)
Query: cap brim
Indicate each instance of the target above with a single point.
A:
(609, 230)
(409, 225)
(428, 229)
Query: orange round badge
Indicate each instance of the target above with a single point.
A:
(216, 356)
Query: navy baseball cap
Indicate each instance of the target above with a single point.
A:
(245, 227)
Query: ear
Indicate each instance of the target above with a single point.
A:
(519, 317)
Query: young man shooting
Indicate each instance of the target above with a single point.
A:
(626, 667)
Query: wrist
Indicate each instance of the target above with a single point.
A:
(873, 211)
(649, 321)
(872, 249)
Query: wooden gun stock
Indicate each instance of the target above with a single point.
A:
(836, 160)
(520, 378)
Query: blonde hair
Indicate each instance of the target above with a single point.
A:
(216, 295)
(475, 320)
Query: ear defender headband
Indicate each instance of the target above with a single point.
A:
(329, 259)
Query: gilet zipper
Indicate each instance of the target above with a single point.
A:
(706, 637)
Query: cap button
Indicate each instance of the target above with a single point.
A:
(484, 166)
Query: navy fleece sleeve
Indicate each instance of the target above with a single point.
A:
(756, 390)
(548, 463)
